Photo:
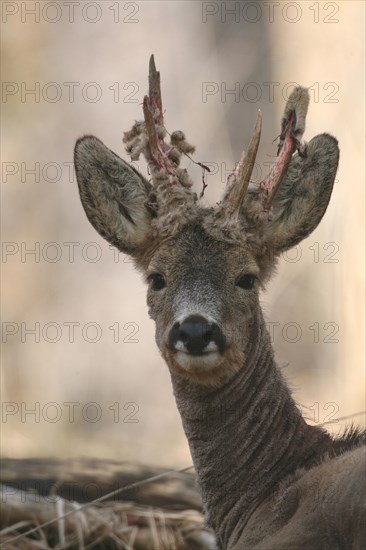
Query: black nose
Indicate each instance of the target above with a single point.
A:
(195, 334)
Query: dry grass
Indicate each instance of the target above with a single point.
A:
(162, 510)
(109, 525)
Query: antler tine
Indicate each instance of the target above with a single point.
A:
(242, 173)
(155, 91)
(154, 121)
(147, 137)
(293, 127)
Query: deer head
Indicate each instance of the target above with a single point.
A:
(205, 266)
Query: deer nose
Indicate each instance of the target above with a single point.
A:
(196, 336)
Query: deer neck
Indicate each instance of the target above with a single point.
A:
(245, 437)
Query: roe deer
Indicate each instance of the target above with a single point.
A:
(268, 480)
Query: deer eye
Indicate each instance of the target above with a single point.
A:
(246, 281)
(156, 281)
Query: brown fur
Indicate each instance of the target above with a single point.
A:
(268, 480)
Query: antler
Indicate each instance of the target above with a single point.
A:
(148, 138)
(292, 130)
(154, 122)
(240, 178)
(171, 184)
(170, 200)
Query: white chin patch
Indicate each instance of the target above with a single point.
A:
(191, 363)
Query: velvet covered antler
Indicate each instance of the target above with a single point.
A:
(148, 137)
(292, 129)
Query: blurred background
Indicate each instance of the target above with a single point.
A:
(81, 374)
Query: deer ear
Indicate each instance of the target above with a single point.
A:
(304, 194)
(112, 194)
